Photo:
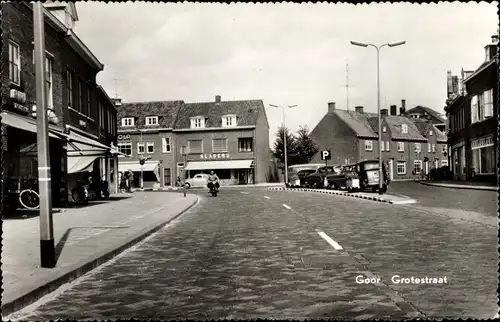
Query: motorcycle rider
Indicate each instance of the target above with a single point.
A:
(213, 179)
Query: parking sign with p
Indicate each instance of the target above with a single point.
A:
(326, 155)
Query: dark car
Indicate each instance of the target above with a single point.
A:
(317, 179)
(302, 175)
(340, 178)
(368, 173)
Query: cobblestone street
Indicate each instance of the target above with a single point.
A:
(258, 254)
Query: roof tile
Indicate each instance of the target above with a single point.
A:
(358, 122)
(166, 111)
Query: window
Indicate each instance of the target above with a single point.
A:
(125, 148)
(100, 115)
(430, 132)
(165, 145)
(152, 120)
(195, 146)
(404, 129)
(401, 146)
(443, 148)
(384, 129)
(48, 82)
(128, 121)
(401, 168)
(219, 145)
(151, 147)
(387, 146)
(474, 109)
(382, 147)
(488, 103)
(245, 144)
(368, 145)
(197, 122)
(444, 163)
(89, 101)
(14, 63)
(433, 148)
(69, 80)
(429, 148)
(417, 165)
(140, 148)
(418, 147)
(229, 120)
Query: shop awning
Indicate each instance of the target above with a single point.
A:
(215, 165)
(136, 167)
(22, 123)
(78, 145)
(78, 164)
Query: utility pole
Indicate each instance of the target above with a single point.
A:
(47, 250)
(347, 82)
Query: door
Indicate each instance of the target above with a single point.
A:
(242, 177)
(167, 176)
(391, 169)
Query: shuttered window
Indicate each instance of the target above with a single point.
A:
(219, 145)
(195, 146)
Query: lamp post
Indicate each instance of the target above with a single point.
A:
(47, 249)
(183, 152)
(284, 138)
(355, 43)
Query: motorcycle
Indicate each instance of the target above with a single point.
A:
(213, 188)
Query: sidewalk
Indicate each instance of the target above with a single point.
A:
(386, 197)
(242, 186)
(456, 184)
(85, 238)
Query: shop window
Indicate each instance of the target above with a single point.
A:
(368, 145)
(245, 144)
(483, 160)
(14, 63)
(401, 167)
(219, 145)
(195, 146)
(223, 174)
(125, 148)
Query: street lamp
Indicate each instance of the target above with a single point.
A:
(184, 154)
(395, 44)
(284, 138)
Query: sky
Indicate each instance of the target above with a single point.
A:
(285, 54)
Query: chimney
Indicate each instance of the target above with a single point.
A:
(117, 101)
(394, 110)
(331, 107)
(359, 109)
(217, 98)
(383, 112)
(494, 39)
(491, 51)
(402, 110)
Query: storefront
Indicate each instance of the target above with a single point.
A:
(230, 172)
(150, 171)
(458, 160)
(483, 157)
(20, 159)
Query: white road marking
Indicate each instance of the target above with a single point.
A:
(329, 240)
(246, 193)
(287, 207)
(267, 197)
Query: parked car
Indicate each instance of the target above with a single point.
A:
(199, 180)
(301, 177)
(342, 177)
(317, 179)
(442, 173)
(293, 170)
(368, 174)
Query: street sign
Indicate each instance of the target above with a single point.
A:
(326, 155)
(141, 162)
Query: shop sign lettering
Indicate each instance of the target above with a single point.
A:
(214, 156)
(18, 96)
(124, 137)
(51, 115)
(481, 143)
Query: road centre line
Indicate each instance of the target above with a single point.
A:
(330, 241)
(287, 207)
(267, 197)
(246, 193)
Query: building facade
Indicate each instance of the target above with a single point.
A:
(229, 137)
(429, 115)
(352, 136)
(145, 131)
(473, 121)
(67, 142)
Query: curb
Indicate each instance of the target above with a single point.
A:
(86, 266)
(459, 186)
(330, 192)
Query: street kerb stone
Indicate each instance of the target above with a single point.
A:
(45, 281)
(387, 198)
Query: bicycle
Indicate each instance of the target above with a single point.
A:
(29, 198)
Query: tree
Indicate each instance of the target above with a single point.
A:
(305, 146)
(278, 150)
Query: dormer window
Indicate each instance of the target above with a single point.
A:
(384, 129)
(404, 129)
(152, 120)
(197, 122)
(229, 120)
(430, 132)
(128, 121)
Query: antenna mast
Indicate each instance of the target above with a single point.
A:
(347, 82)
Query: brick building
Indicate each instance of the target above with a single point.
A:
(429, 115)
(230, 137)
(73, 146)
(472, 112)
(352, 136)
(145, 131)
